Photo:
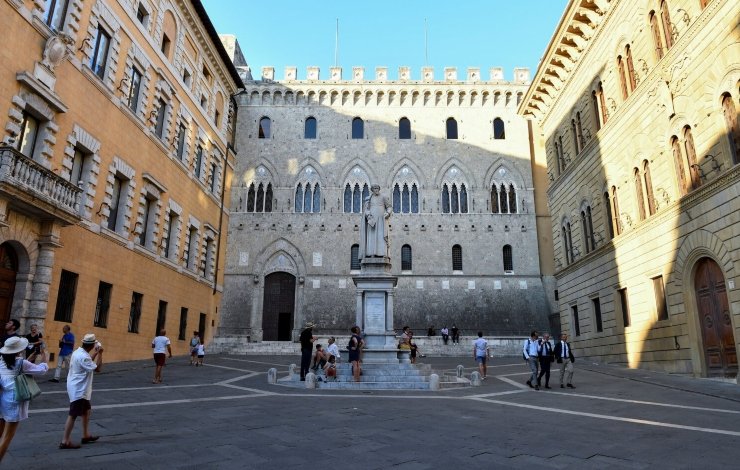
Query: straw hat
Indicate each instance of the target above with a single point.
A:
(89, 339)
(14, 345)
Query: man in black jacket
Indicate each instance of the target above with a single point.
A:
(307, 338)
(564, 356)
(545, 357)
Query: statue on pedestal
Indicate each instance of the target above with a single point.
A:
(376, 210)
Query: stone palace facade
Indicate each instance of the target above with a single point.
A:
(452, 155)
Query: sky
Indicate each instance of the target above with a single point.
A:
(462, 34)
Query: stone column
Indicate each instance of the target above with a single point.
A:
(359, 308)
(255, 317)
(389, 310)
(48, 242)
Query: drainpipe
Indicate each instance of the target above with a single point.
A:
(229, 146)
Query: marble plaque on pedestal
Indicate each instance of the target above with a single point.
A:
(375, 311)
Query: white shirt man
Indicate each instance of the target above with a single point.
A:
(82, 366)
(333, 349)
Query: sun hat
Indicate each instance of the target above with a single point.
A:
(14, 345)
(89, 339)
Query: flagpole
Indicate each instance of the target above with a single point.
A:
(336, 45)
(426, 42)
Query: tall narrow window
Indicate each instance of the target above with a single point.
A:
(208, 265)
(564, 241)
(590, 223)
(624, 306)
(264, 129)
(182, 331)
(570, 242)
(406, 258)
(146, 237)
(597, 314)
(584, 230)
(733, 130)
(298, 198)
(499, 131)
(99, 58)
(198, 162)
(80, 161)
(102, 305)
(317, 198)
(655, 32)
(503, 200)
(494, 199)
(661, 306)
(356, 200)
(166, 44)
(508, 259)
(181, 141)
(251, 199)
(66, 296)
(454, 200)
(309, 130)
(574, 136)
(576, 322)
(358, 128)
(622, 77)
(142, 15)
(512, 199)
(595, 109)
(445, 199)
(667, 26)
(116, 213)
(602, 103)
(161, 317)
(161, 117)
(609, 215)
(457, 264)
(561, 155)
(463, 199)
(134, 314)
(678, 160)
(26, 143)
(451, 128)
(414, 199)
(307, 199)
(192, 248)
(55, 13)
(354, 254)
(638, 193)
(630, 67)
(691, 158)
(396, 199)
(405, 202)
(214, 177)
(268, 198)
(648, 187)
(615, 211)
(348, 199)
(134, 89)
(169, 247)
(579, 131)
(404, 129)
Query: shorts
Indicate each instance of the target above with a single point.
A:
(480, 360)
(79, 407)
(159, 358)
(201, 356)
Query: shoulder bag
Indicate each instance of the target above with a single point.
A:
(26, 387)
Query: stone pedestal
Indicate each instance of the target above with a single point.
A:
(374, 310)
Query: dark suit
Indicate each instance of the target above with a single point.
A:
(566, 367)
(545, 357)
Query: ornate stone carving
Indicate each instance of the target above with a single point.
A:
(56, 50)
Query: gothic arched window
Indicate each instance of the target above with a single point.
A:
(733, 131)
(691, 158)
(494, 199)
(299, 198)
(639, 193)
(655, 32)
(648, 187)
(512, 199)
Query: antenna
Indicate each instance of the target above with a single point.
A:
(336, 46)
(426, 44)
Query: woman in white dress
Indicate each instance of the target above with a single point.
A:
(13, 412)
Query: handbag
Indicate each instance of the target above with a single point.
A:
(26, 387)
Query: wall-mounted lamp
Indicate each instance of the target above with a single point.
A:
(716, 166)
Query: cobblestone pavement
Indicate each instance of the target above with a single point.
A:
(226, 415)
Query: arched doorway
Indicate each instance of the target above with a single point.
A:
(8, 271)
(278, 307)
(718, 340)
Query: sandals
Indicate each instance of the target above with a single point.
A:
(64, 445)
(88, 440)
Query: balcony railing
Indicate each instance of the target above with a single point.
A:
(37, 190)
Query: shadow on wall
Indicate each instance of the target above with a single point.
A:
(458, 206)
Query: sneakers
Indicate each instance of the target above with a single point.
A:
(571, 386)
(529, 382)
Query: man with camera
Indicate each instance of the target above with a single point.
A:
(86, 360)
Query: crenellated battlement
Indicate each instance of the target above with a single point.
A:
(450, 75)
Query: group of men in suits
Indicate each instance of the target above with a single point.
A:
(540, 354)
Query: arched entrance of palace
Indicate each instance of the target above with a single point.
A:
(8, 271)
(718, 340)
(278, 307)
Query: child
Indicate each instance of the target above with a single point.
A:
(201, 351)
(330, 368)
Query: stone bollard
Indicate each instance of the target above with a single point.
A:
(292, 372)
(272, 376)
(434, 382)
(475, 380)
(310, 380)
(460, 370)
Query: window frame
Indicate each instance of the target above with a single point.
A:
(451, 127)
(134, 317)
(358, 128)
(406, 258)
(98, 65)
(66, 296)
(102, 304)
(457, 261)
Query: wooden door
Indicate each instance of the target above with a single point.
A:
(718, 339)
(8, 271)
(277, 307)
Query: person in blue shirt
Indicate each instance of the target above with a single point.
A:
(66, 345)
